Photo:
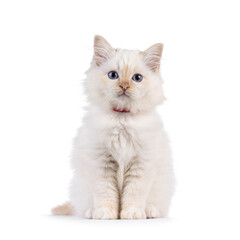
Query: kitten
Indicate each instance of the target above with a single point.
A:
(121, 160)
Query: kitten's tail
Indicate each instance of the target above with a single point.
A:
(64, 209)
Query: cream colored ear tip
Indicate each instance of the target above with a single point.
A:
(96, 37)
(99, 38)
(159, 45)
(155, 47)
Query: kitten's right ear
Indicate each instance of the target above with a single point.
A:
(102, 50)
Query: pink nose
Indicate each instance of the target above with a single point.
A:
(124, 87)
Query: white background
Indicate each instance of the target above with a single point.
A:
(45, 48)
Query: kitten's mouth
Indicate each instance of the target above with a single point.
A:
(123, 94)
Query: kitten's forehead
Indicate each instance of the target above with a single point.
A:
(127, 60)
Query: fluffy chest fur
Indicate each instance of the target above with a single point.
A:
(121, 142)
(127, 137)
(124, 135)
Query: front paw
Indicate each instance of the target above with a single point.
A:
(153, 212)
(105, 213)
(133, 213)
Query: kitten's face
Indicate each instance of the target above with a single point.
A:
(124, 79)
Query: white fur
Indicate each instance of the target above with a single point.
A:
(121, 161)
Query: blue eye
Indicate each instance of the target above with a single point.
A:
(113, 75)
(137, 77)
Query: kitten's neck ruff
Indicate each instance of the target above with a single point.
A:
(119, 111)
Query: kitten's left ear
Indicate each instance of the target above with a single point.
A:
(152, 56)
(102, 50)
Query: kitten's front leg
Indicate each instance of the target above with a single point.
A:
(106, 196)
(137, 184)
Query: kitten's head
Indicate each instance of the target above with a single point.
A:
(127, 80)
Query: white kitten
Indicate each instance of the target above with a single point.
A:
(121, 160)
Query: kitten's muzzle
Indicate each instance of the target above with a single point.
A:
(123, 93)
(124, 86)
